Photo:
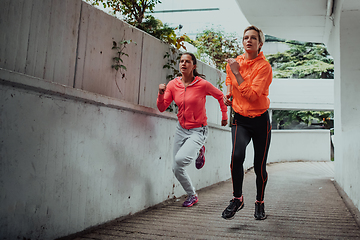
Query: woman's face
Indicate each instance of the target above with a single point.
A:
(251, 41)
(186, 65)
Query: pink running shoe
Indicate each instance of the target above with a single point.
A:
(191, 200)
(200, 161)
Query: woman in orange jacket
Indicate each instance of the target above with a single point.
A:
(248, 80)
(189, 93)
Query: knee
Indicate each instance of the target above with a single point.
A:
(182, 161)
(238, 156)
(261, 172)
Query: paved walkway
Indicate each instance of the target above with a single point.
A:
(301, 202)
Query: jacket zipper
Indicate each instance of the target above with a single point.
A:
(184, 103)
(184, 109)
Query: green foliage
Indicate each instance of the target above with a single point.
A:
(173, 59)
(119, 47)
(134, 14)
(288, 117)
(215, 46)
(118, 59)
(163, 32)
(133, 11)
(156, 28)
(302, 60)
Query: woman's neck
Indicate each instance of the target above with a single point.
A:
(187, 78)
(251, 55)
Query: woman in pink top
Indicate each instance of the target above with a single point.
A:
(189, 93)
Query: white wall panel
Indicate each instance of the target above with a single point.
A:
(39, 38)
(302, 94)
(98, 30)
(347, 134)
(152, 71)
(299, 145)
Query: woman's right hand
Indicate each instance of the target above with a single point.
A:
(226, 99)
(162, 88)
(234, 66)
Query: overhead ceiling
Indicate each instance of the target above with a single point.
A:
(302, 20)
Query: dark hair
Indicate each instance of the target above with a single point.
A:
(193, 58)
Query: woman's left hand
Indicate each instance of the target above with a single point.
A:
(224, 122)
(226, 100)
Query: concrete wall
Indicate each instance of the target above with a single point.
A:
(71, 159)
(274, 47)
(39, 38)
(299, 145)
(343, 46)
(75, 152)
(302, 94)
(295, 145)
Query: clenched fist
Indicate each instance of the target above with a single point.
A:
(227, 100)
(162, 88)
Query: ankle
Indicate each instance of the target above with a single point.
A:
(239, 198)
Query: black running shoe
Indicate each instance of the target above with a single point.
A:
(259, 211)
(234, 206)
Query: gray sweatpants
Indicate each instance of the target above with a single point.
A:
(186, 149)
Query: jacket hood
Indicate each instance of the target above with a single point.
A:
(196, 80)
(250, 62)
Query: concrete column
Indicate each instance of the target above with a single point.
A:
(347, 98)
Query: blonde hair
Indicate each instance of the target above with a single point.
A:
(261, 34)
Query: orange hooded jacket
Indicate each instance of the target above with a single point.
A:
(250, 98)
(190, 101)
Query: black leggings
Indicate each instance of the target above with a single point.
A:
(243, 130)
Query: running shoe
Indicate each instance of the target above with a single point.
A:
(191, 200)
(234, 206)
(259, 211)
(200, 161)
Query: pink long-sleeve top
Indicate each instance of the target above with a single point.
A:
(190, 101)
